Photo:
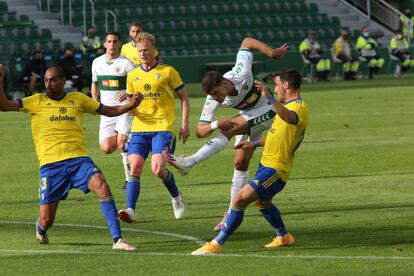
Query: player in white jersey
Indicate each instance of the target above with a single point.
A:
(235, 89)
(109, 73)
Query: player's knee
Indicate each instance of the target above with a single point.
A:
(107, 149)
(239, 201)
(263, 204)
(241, 164)
(99, 186)
(158, 170)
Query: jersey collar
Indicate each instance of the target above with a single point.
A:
(58, 99)
(142, 68)
(293, 100)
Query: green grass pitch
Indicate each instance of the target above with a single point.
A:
(349, 201)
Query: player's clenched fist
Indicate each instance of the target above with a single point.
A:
(137, 99)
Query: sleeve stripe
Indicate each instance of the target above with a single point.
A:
(99, 108)
(128, 95)
(245, 49)
(179, 87)
(204, 121)
(20, 103)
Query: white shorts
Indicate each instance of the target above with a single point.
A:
(112, 126)
(259, 120)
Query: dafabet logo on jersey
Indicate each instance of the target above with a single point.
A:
(110, 83)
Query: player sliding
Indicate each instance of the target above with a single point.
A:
(60, 146)
(109, 73)
(283, 139)
(152, 126)
(234, 89)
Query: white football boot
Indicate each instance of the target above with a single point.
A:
(123, 245)
(178, 206)
(127, 215)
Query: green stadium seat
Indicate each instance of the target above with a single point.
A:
(3, 8)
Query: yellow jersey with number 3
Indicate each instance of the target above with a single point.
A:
(57, 126)
(283, 139)
(158, 85)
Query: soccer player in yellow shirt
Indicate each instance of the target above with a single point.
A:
(57, 129)
(152, 126)
(283, 139)
(129, 50)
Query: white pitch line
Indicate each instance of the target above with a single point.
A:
(175, 235)
(184, 237)
(76, 252)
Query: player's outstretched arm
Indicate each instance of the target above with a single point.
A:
(205, 130)
(6, 104)
(112, 111)
(185, 113)
(257, 45)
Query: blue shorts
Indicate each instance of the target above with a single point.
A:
(143, 142)
(267, 182)
(56, 179)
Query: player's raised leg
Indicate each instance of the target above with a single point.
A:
(229, 128)
(98, 185)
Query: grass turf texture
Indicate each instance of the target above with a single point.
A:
(348, 201)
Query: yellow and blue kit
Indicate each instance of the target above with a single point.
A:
(58, 136)
(282, 141)
(152, 126)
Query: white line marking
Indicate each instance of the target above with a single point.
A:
(175, 235)
(76, 252)
(184, 237)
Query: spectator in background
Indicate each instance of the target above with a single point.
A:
(34, 71)
(407, 24)
(400, 48)
(342, 51)
(90, 42)
(366, 46)
(129, 49)
(311, 51)
(72, 69)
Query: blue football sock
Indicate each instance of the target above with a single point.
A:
(110, 213)
(169, 183)
(39, 228)
(272, 215)
(233, 221)
(132, 192)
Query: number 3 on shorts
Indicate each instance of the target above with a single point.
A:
(43, 183)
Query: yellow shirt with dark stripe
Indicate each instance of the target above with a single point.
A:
(130, 52)
(158, 85)
(283, 139)
(57, 126)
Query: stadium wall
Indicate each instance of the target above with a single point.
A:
(192, 68)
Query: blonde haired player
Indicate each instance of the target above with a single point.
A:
(109, 73)
(152, 126)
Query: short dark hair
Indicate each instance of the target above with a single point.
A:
(59, 69)
(113, 33)
(291, 76)
(135, 24)
(211, 80)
